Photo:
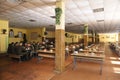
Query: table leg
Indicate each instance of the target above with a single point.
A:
(39, 58)
(101, 67)
(20, 59)
(74, 62)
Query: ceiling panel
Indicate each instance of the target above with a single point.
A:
(110, 8)
(77, 12)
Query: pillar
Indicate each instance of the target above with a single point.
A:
(85, 35)
(43, 35)
(4, 26)
(93, 37)
(60, 37)
(96, 38)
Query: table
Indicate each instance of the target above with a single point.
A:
(45, 53)
(89, 57)
(100, 51)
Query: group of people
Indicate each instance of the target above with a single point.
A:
(115, 48)
(28, 50)
(74, 47)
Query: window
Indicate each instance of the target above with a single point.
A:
(11, 33)
(20, 34)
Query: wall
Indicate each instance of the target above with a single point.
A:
(76, 37)
(51, 34)
(72, 37)
(16, 31)
(108, 37)
(37, 32)
(34, 35)
(3, 37)
(119, 37)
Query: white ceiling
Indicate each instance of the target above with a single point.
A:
(77, 12)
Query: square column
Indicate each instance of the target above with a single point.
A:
(93, 37)
(60, 37)
(85, 35)
(43, 35)
(85, 41)
(60, 51)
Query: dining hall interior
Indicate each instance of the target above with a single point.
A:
(59, 40)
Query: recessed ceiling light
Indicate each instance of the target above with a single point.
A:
(31, 20)
(69, 23)
(16, 1)
(98, 10)
(53, 16)
(80, 25)
(51, 25)
(100, 20)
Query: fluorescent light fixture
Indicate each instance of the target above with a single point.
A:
(51, 25)
(98, 10)
(31, 20)
(69, 23)
(16, 1)
(53, 16)
(100, 20)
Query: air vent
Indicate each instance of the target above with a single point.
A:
(51, 25)
(31, 20)
(100, 20)
(80, 25)
(53, 16)
(98, 10)
(16, 1)
(69, 23)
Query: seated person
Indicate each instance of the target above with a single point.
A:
(81, 46)
(67, 51)
(77, 48)
(10, 48)
(30, 50)
(20, 50)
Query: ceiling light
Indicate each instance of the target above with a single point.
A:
(100, 20)
(31, 20)
(16, 1)
(69, 23)
(53, 16)
(80, 25)
(98, 10)
(51, 25)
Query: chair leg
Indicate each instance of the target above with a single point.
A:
(20, 59)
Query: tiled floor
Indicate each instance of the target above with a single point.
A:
(31, 70)
(90, 71)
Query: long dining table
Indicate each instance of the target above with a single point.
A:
(92, 57)
(45, 53)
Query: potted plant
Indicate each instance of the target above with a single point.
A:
(58, 12)
(4, 31)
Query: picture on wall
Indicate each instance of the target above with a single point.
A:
(112, 37)
(107, 36)
(34, 35)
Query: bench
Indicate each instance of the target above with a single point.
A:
(16, 56)
(46, 55)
